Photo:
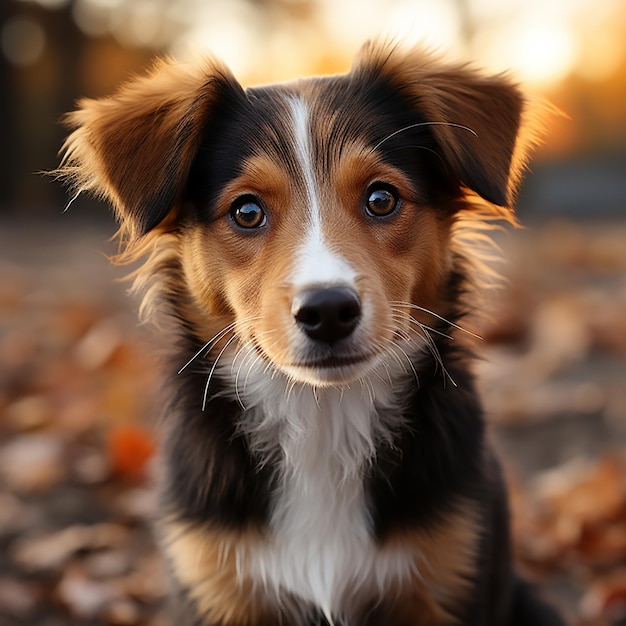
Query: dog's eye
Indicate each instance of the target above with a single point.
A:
(382, 200)
(247, 212)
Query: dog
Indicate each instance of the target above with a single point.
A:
(311, 246)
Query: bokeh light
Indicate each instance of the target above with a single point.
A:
(23, 41)
(541, 42)
(571, 51)
(78, 380)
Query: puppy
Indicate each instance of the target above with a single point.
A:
(311, 243)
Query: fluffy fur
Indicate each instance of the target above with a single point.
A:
(312, 246)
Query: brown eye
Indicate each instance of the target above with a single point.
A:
(248, 213)
(382, 200)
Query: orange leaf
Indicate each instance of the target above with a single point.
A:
(129, 449)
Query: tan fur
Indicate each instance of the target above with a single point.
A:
(252, 279)
(154, 123)
(448, 551)
(457, 98)
(205, 561)
(211, 564)
(136, 149)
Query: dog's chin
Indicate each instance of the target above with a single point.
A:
(332, 371)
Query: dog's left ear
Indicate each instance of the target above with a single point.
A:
(474, 119)
(135, 149)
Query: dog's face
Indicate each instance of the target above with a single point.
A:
(312, 220)
(316, 239)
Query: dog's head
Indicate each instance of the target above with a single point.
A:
(310, 220)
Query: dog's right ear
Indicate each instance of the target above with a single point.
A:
(136, 148)
(481, 124)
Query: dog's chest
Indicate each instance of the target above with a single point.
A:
(321, 548)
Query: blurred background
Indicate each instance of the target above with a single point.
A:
(79, 388)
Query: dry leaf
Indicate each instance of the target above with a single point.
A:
(130, 447)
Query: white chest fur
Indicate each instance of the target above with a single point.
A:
(322, 549)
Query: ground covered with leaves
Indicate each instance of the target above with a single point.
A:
(79, 391)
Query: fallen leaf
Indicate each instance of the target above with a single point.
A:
(83, 597)
(130, 447)
(51, 551)
(606, 598)
(33, 464)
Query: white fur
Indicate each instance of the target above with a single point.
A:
(315, 262)
(322, 548)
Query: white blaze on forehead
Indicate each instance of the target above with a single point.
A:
(316, 263)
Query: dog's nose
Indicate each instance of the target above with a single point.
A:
(327, 314)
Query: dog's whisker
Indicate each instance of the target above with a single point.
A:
(250, 354)
(418, 125)
(379, 346)
(260, 356)
(248, 348)
(212, 371)
(316, 396)
(420, 147)
(401, 332)
(291, 383)
(214, 341)
(439, 317)
(340, 391)
(390, 348)
(251, 350)
(270, 363)
(404, 316)
(430, 329)
(434, 350)
(428, 341)
(206, 346)
(239, 359)
(395, 346)
(366, 387)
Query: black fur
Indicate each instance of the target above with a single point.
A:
(213, 479)
(440, 460)
(243, 124)
(442, 454)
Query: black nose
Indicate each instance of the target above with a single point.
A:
(327, 314)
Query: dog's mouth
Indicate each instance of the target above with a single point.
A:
(333, 362)
(331, 370)
(323, 366)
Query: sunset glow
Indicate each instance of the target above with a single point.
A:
(540, 42)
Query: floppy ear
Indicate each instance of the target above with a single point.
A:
(474, 119)
(135, 148)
